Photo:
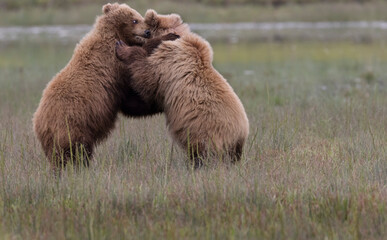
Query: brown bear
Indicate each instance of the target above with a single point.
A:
(80, 104)
(203, 114)
(160, 25)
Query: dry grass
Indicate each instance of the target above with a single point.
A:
(314, 166)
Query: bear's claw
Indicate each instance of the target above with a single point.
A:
(120, 43)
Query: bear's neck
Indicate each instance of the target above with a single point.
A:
(98, 43)
(106, 36)
(97, 49)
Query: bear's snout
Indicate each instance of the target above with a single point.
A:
(147, 33)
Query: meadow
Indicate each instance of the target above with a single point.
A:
(314, 166)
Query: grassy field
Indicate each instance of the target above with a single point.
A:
(314, 166)
(193, 11)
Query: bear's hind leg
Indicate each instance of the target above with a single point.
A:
(78, 155)
(197, 160)
(196, 154)
(58, 160)
(83, 155)
(236, 152)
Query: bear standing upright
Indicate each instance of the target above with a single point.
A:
(203, 113)
(80, 104)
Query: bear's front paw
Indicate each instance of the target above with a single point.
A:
(120, 50)
(120, 43)
(170, 37)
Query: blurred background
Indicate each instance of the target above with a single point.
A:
(33, 12)
(354, 20)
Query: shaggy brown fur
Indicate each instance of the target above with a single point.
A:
(80, 104)
(203, 113)
(161, 25)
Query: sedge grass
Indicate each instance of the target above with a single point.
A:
(314, 166)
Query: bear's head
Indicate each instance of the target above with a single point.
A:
(163, 24)
(128, 24)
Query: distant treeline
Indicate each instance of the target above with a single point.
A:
(271, 2)
(17, 4)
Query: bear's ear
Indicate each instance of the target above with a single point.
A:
(108, 7)
(173, 20)
(151, 18)
(169, 21)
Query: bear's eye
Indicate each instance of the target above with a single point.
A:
(135, 21)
